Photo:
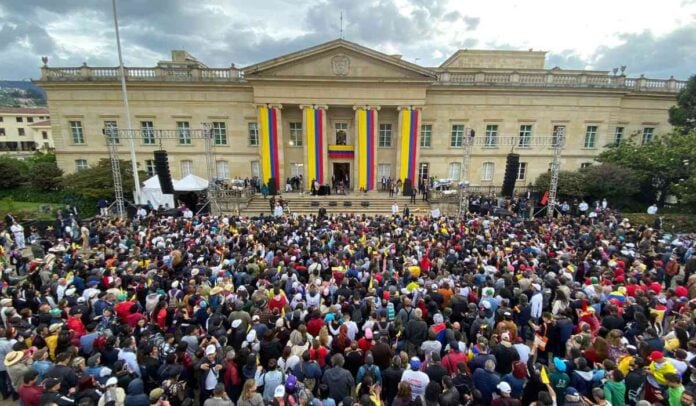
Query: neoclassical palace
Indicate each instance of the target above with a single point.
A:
(346, 111)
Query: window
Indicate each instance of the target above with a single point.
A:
(183, 131)
(1, 119)
(20, 119)
(647, 134)
(341, 133)
(219, 133)
(455, 170)
(426, 135)
(256, 169)
(457, 138)
(558, 132)
(253, 134)
(111, 131)
(590, 136)
(76, 132)
(186, 168)
(296, 134)
(383, 171)
(81, 164)
(487, 171)
(223, 169)
(30, 119)
(150, 167)
(522, 171)
(585, 165)
(618, 135)
(423, 170)
(296, 170)
(147, 131)
(525, 135)
(21, 132)
(44, 135)
(491, 135)
(2, 132)
(385, 135)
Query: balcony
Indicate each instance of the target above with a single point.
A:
(156, 74)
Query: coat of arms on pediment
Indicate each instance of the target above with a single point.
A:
(340, 65)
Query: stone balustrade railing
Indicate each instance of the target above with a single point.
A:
(558, 79)
(193, 74)
(550, 79)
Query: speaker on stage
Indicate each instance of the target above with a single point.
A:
(512, 167)
(365, 203)
(162, 170)
(408, 187)
(272, 188)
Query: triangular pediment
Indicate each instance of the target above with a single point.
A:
(338, 60)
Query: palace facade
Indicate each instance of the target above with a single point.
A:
(343, 110)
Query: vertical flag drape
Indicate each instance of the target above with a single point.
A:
(314, 133)
(268, 128)
(409, 144)
(366, 148)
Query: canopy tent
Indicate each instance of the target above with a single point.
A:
(152, 191)
(190, 183)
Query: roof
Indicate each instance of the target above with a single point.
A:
(23, 110)
(43, 123)
(338, 43)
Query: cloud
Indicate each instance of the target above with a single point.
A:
(471, 23)
(566, 59)
(654, 56)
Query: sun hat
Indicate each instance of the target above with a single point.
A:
(13, 357)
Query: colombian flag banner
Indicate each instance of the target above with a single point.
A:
(409, 144)
(341, 151)
(268, 128)
(366, 148)
(314, 134)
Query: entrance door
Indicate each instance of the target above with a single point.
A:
(423, 171)
(341, 172)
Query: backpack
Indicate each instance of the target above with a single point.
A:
(383, 330)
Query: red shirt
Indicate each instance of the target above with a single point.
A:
(277, 302)
(123, 310)
(75, 324)
(314, 325)
(30, 394)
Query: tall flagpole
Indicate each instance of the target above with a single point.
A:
(124, 91)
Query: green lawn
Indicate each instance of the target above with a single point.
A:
(27, 210)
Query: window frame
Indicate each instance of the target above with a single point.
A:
(491, 135)
(255, 169)
(226, 169)
(584, 165)
(183, 164)
(147, 132)
(426, 135)
(253, 134)
(340, 126)
(647, 131)
(76, 125)
(590, 141)
(111, 125)
(380, 171)
(522, 171)
(183, 132)
(2, 132)
(450, 171)
(385, 139)
(19, 119)
(219, 129)
(150, 167)
(295, 133)
(79, 167)
(457, 136)
(619, 133)
(526, 133)
(484, 172)
(21, 132)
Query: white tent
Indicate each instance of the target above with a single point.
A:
(190, 183)
(152, 191)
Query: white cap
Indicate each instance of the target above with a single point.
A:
(210, 350)
(279, 391)
(504, 387)
(236, 323)
(69, 291)
(111, 381)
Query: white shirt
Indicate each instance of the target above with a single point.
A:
(523, 350)
(652, 209)
(418, 381)
(395, 208)
(536, 302)
(352, 330)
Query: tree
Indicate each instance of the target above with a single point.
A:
(11, 172)
(661, 165)
(46, 176)
(683, 115)
(570, 183)
(97, 181)
(614, 182)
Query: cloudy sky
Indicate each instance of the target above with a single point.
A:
(657, 39)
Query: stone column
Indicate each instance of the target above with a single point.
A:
(281, 144)
(366, 149)
(268, 133)
(325, 143)
(408, 144)
(305, 154)
(401, 137)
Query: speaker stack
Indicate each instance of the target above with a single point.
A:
(512, 166)
(408, 187)
(162, 170)
(272, 187)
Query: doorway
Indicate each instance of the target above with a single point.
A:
(341, 173)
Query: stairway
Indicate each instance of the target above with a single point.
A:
(379, 204)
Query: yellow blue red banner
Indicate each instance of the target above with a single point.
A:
(409, 144)
(314, 122)
(366, 148)
(268, 129)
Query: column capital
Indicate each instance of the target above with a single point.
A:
(306, 106)
(321, 106)
(359, 106)
(275, 106)
(378, 108)
(400, 108)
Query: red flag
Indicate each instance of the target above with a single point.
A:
(545, 198)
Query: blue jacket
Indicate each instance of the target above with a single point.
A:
(486, 382)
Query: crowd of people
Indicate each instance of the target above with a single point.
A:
(350, 310)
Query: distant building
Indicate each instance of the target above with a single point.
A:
(340, 110)
(24, 131)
